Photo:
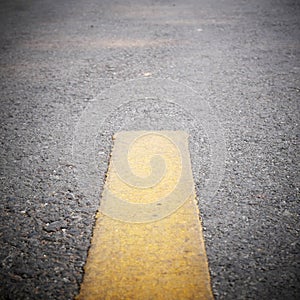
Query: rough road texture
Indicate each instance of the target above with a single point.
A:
(241, 56)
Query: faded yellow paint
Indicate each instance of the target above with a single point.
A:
(163, 259)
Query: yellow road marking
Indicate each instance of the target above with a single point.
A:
(161, 255)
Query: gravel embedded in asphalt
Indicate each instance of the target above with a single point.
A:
(58, 58)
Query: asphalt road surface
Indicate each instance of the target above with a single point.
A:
(225, 71)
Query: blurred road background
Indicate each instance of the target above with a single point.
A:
(241, 56)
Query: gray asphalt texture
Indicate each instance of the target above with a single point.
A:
(241, 56)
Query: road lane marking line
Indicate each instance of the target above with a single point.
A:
(161, 255)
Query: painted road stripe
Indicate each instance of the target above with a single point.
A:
(147, 241)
